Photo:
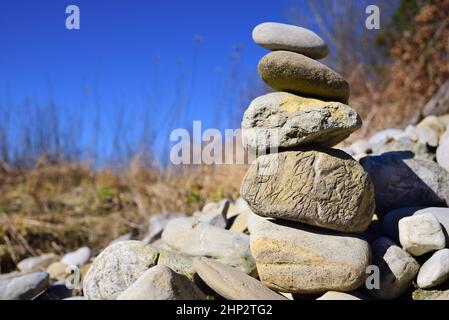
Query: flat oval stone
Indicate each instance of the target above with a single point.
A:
(298, 74)
(295, 258)
(116, 268)
(284, 120)
(322, 187)
(280, 36)
(231, 283)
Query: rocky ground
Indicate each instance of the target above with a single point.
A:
(314, 221)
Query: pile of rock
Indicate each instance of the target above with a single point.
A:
(305, 225)
(316, 196)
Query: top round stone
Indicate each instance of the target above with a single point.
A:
(280, 36)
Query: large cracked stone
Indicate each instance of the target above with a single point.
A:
(401, 181)
(296, 258)
(323, 187)
(284, 120)
(298, 74)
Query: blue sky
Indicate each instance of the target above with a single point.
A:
(131, 55)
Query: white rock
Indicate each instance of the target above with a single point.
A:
(421, 234)
(434, 271)
(380, 138)
(77, 258)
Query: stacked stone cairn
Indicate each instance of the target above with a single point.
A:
(309, 200)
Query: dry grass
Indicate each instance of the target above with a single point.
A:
(59, 207)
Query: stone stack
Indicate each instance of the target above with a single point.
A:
(309, 199)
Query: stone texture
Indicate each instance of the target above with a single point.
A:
(434, 123)
(280, 36)
(434, 271)
(397, 269)
(334, 295)
(400, 181)
(116, 268)
(195, 238)
(421, 234)
(323, 187)
(443, 151)
(298, 74)
(77, 258)
(231, 283)
(284, 120)
(178, 262)
(430, 295)
(295, 258)
(162, 283)
(39, 263)
(26, 287)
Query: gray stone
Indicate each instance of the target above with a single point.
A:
(420, 234)
(178, 262)
(298, 74)
(397, 269)
(400, 181)
(231, 283)
(434, 271)
(284, 120)
(280, 36)
(323, 187)
(162, 283)
(116, 268)
(295, 258)
(443, 151)
(26, 287)
(195, 238)
(39, 263)
(77, 258)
